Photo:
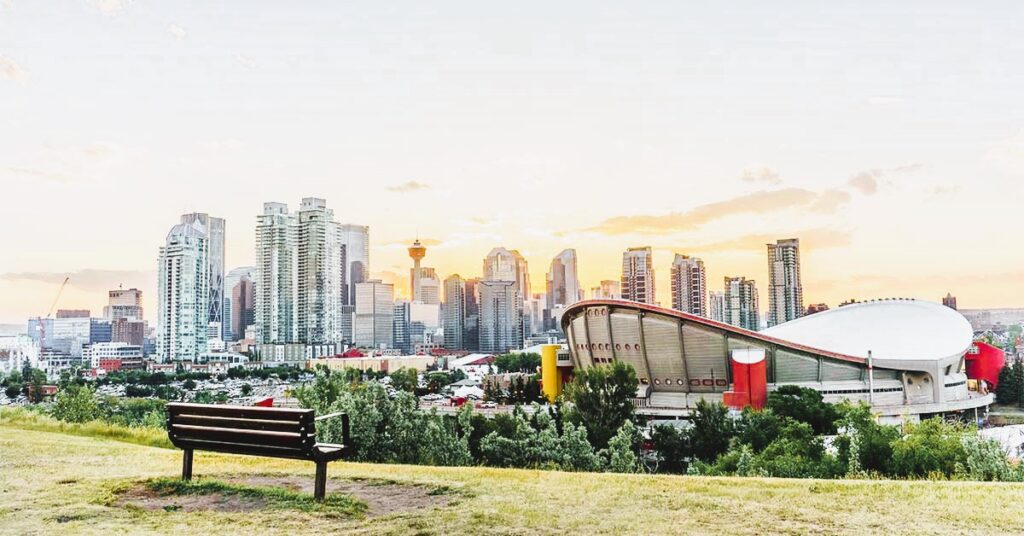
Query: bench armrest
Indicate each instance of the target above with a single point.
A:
(344, 424)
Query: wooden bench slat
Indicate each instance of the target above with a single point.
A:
(235, 435)
(243, 412)
(247, 424)
(245, 449)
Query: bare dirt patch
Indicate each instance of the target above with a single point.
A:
(144, 498)
(382, 497)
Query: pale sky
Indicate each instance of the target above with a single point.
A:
(888, 137)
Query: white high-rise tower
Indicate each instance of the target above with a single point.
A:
(785, 292)
(689, 285)
(638, 275)
(215, 229)
(276, 268)
(183, 293)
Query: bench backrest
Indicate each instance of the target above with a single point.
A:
(276, 432)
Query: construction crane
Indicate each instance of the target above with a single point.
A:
(39, 320)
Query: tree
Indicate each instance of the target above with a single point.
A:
(672, 446)
(796, 453)
(805, 405)
(437, 381)
(1018, 380)
(623, 449)
(12, 391)
(864, 444)
(518, 362)
(188, 384)
(712, 429)
(446, 441)
(602, 398)
(76, 404)
(246, 389)
(520, 442)
(137, 391)
(35, 378)
(405, 379)
(758, 428)
(1008, 391)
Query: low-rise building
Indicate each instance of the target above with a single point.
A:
(378, 364)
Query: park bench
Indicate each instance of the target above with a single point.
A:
(255, 431)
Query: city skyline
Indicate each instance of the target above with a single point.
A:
(481, 127)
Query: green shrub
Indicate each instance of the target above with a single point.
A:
(76, 404)
(930, 448)
(864, 445)
(622, 454)
(804, 405)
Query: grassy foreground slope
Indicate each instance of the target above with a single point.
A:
(52, 483)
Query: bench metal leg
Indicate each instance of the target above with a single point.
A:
(320, 484)
(186, 465)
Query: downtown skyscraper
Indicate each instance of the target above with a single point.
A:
(502, 264)
(355, 243)
(785, 292)
(563, 287)
(276, 269)
(300, 289)
(454, 313)
(215, 229)
(320, 266)
(740, 303)
(638, 275)
(183, 293)
(501, 316)
(240, 301)
(689, 285)
(375, 314)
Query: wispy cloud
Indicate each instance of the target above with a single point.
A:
(69, 163)
(10, 70)
(35, 174)
(409, 186)
(89, 278)
(810, 238)
(942, 189)
(908, 168)
(765, 174)
(110, 7)
(176, 31)
(761, 202)
(866, 182)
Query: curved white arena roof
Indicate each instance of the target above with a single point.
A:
(890, 329)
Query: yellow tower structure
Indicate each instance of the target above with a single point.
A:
(550, 376)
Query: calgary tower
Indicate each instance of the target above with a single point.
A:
(416, 251)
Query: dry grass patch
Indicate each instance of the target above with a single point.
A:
(53, 483)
